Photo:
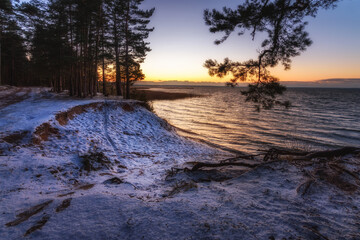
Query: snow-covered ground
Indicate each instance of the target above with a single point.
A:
(108, 169)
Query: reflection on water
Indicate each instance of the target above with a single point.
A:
(319, 118)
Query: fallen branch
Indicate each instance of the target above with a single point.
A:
(284, 152)
(333, 153)
(38, 225)
(274, 153)
(247, 157)
(222, 164)
(304, 187)
(342, 169)
(22, 217)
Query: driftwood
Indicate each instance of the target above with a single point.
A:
(342, 169)
(333, 153)
(247, 157)
(38, 225)
(22, 217)
(199, 165)
(65, 204)
(273, 155)
(326, 168)
(304, 187)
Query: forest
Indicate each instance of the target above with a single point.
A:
(74, 45)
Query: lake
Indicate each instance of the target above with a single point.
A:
(318, 119)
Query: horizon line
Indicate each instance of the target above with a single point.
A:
(323, 83)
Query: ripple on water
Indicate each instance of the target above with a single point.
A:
(320, 118)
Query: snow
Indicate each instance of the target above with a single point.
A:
(150, 199)
(39, 107)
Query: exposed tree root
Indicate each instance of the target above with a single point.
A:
(274, 153)
(114, 180)
(179, 187)
(247, 157)
(66, 194)
(333, 153)
(86, 187)
(222, 164)
(22, 217)
(38, 225)
(325, 169)
(65, 204)
(304, 187)
(342, 169)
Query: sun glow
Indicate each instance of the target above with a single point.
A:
(109, 73)
(178, 53)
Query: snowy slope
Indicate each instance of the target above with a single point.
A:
(107, 169)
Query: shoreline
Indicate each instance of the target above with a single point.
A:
(146, 94)
(110, 169)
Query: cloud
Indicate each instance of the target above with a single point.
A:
(325, 83)
(178, 83)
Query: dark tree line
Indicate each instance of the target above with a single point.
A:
(68, 44)
(283, 22)
(13, 62)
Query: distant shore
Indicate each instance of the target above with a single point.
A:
(145, 93)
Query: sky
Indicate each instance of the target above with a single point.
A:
(181, 42)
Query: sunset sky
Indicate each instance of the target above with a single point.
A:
(182, 42)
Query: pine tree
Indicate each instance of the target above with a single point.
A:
(5, 12)
(135, 31)
(13, 61)
(116, 10)
(283, 22)
(68, 41)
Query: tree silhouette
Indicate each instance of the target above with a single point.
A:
(283, 22)
(13, 61)
(69, 44)
(5, 10)
(135, 30)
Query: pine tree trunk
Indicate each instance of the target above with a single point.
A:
(95, 70)
(0, 60)
(103, 50)
(127, 74)
(86, 60)
(79, 66)
(103, 76)
(117, 58)
(0, 51)
(72, 72)
(103, 62)
(13, 68)
(0, 55)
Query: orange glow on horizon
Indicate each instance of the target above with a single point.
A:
(179, 53)
(298, 73)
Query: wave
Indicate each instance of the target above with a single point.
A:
(318, 119)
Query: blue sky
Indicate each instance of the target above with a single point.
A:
(181, 43)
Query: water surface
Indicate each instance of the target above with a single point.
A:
(318, 119)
